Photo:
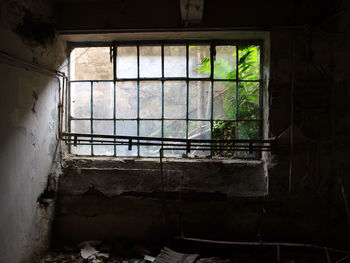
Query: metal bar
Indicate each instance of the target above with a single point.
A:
(159, 119)
(187, 145)
(177, 149)
(138, 96)
(114, 93)
(286, 244)
(167, 79)
(212, 65)
(237, 85)
(271, 141)
(69, 112)
(162, 125)
(92, 112)
(187, 91)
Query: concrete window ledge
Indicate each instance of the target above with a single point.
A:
(122, 176)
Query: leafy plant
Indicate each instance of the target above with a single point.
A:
(247, 107)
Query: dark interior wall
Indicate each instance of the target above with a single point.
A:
(309, 50)
(138, 14)
(29, 127)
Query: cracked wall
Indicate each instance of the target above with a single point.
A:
(28, 137)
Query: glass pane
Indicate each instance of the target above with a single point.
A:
(91, 63)
(224, 101)
(126, 62)
(225, 62)
(199, 99)
(224, 130)
(150, 129)
(175, 99)
(126, 128)
(248, 130)
(150, 99)
(81, 127)
(107, 128)
(175, 61)
(126, 99)
(199, 61)
(199, 130)
(150, 62)
(80, 93)
(249, 62)
(175, 129)
(103, 98)
(248, 101)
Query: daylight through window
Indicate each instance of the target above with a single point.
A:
(191, 91)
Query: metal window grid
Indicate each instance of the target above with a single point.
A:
(91, 140)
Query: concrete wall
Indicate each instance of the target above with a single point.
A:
(318, 54)
(29, 125)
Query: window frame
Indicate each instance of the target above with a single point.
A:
(162, 43)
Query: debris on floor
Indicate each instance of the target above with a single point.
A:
(167, 255)
(88, 251)
(97, 252)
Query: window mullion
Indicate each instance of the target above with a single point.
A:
(92, 114)
(162, 126)
(138, 97)
(187, 90)
(237, 85)
(114, 94)
(212, 58)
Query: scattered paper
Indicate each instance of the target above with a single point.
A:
(149, 258)
(88, 251)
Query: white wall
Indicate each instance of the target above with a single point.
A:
(28, 138)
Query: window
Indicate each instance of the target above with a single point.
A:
(192, 90)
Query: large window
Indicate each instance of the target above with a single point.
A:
(200, 90)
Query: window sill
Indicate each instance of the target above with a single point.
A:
(116, 176)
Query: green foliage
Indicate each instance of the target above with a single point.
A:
(248, 94)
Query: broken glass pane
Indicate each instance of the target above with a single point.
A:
(126, 62)
(150, 99)
(80, 95)
(175, 99)
(199, 99)
(103, 99)
(91, 63)
(175, 61)
(150, 62)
